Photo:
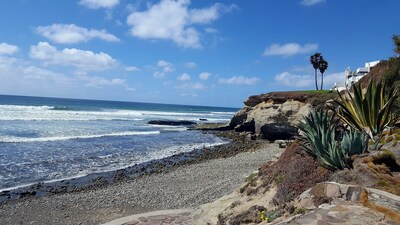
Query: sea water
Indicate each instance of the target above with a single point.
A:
(46, 139)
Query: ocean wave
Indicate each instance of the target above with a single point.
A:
(62, 108)
(64, 138)
(64, 113)
(153, 155)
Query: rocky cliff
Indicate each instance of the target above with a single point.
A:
(275, 115)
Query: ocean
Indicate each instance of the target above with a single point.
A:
(50, 139)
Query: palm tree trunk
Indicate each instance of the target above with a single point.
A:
(316, 80)
(322, 81)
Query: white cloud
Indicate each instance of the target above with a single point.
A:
(184, 77)
(132, 69)
(80, 59)
(195, 86)
(311, 2)
(190, 65)
(36, 73)
(206, 15)
(204, 75)
(22, 77)
(7, 49)
(162, 63)
(166, 67)
(292, 80)
(289, 49)
(307, 81)
(95, 4)
(173, 20)
(211, 30)
(71, 34)
(158, 74)
(95, 81)
(239, 80)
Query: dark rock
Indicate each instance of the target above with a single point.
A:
(211, 127)
(172, 122)
(202, 119)
(246, 127)
(278, 131)
(239, 118)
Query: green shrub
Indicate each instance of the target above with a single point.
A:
(321, 141)
(369, 111)
(354, 142)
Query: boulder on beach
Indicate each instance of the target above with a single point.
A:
(278, 131)
(172, 122)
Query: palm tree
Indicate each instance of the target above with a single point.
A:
(315, 60)
(323, 66)
(396, 42)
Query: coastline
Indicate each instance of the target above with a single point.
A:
(203, 176)
(101, 179)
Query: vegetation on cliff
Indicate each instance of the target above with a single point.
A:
(349, 138)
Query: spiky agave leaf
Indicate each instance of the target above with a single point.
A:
(368, 112)
(354, 142)
(320, 140)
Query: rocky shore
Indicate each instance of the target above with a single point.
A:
(202, 177)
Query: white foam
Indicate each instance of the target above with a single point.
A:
(46, 113)
(7, 139)
(156, 155)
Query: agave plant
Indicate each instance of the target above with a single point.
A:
(320, 140)
(354, 142)
(368, 112)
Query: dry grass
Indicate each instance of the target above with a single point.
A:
(388, 212)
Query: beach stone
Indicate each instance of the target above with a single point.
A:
(332, 190)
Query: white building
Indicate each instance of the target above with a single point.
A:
(354, 76)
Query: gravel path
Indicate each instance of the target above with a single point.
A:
(182, 187)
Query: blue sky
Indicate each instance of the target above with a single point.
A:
(198, 52)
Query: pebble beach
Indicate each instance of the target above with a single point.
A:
(188, 184)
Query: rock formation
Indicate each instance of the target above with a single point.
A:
(274, 116)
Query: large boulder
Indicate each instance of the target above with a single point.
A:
(278, 131)
(240, 117)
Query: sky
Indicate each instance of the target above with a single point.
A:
(199, 52)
